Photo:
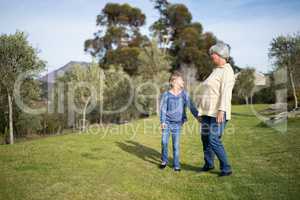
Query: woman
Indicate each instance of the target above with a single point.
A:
(215, 108)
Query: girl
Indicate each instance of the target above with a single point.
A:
(172, 116)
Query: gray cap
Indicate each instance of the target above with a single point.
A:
(221, 48)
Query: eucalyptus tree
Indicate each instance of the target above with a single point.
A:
(17, 57)
(285, 51)
(118, 39)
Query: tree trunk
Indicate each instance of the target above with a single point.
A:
(101, 100)
(100, 117)
(294, 89)
(101, 112)
(157, 105)
(246, 99)
(11, 133)
(84, 114)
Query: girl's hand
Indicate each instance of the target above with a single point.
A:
(163, 126)
(220, 117)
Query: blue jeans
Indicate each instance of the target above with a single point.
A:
(174, 129)
(211, 133)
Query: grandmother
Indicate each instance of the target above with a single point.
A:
(215, 108)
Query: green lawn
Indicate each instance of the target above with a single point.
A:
(121, 162)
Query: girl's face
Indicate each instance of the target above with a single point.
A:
(178, 83)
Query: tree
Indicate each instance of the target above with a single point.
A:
(119, 94)
(245, 83)
(285, 50)
(118, 39)
(153, 75)
(16, 57)
(188, 44)
(127, 57)
(85, 86)
(159, 27)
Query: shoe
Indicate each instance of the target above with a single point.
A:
(177, 169)
(163, 165)
(206, 169)
(225, 174)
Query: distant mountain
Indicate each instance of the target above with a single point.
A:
(50, 77)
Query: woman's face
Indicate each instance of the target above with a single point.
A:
(215, 58)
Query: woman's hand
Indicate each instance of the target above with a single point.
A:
(220, 117)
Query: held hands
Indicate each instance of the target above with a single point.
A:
(199, 119)
(220, 117)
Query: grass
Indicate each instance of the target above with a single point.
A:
(121, 162)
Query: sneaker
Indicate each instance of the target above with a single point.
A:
(225, 174)
(177, 169)
(163, 165)
(206, 169)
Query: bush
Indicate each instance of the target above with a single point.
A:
(28, 124)
(265, 96)
(4, 136)
(52, 123)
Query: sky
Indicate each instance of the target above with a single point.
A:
(58, 28)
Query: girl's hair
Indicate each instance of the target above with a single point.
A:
(174, 75)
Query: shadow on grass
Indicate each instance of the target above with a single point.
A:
(149, 154)
(242, 114)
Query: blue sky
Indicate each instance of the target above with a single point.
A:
(59, 27)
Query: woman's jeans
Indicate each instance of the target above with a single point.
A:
(174, 129)
(211, 133)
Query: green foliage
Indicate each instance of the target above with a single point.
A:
(285, 52)
(125, 97)
(52, 123)
(4, 136)
(179, 16)
(161, 5)
(83, 87)
(121, 42)
(91, 79)
(28, 124)
(265, 95)
(159, 27)
(17, 56)
(189, 45)
(123, 14)
(154, 63)
(152, 78)
(3, 113)
(118, 94)
(127, 57)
